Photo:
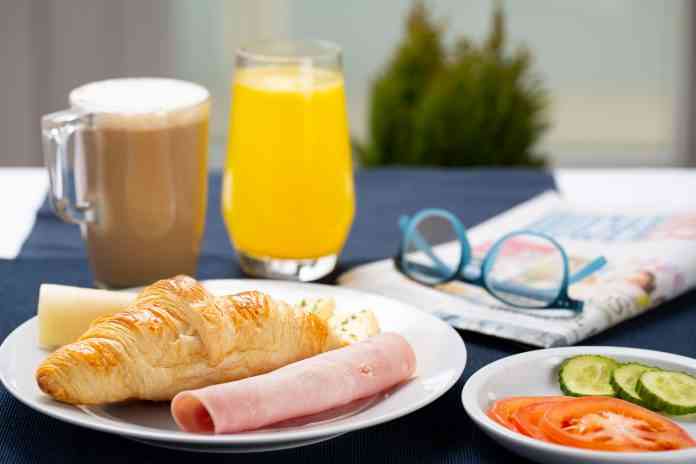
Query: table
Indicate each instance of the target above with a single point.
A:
(438, 432)
(22, 192)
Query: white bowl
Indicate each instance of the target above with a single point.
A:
(535, 374)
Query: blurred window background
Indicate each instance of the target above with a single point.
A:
(617, 70)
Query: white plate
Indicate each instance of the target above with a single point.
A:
(440, 354)
(534, 374)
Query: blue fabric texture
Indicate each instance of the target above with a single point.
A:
(440, 432)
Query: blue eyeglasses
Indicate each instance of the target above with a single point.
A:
(524, 269)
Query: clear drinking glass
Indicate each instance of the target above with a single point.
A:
(128, 163)
(288, 198)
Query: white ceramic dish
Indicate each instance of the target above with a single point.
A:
(533, 374)
(439, 366)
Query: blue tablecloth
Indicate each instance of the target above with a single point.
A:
(440, 432)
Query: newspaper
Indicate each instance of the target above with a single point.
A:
(651, 258)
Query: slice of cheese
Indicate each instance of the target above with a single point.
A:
(66, 312)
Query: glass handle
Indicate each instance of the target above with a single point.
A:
(58, 131)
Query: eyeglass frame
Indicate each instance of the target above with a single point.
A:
(562, 300)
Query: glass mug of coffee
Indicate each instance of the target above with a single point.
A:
(128, 163)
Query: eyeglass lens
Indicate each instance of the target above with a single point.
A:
(526, 270)
(432, 250)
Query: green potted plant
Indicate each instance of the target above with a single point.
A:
(477, 104)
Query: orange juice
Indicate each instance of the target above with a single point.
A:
(288, 186)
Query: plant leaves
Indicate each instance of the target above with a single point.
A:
(479, 105)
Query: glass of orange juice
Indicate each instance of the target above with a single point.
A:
(287, 197)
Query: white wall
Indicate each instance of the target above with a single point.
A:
(19, 106)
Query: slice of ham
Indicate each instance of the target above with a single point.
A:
(316, 384)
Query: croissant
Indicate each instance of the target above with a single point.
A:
(176, 336)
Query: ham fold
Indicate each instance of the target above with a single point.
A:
(313, 385)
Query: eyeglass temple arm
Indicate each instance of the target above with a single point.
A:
(471, 275)
(523, 291)
(424, 246)
(587, 270)
(540, 293)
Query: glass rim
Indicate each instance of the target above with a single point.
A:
(326, 50)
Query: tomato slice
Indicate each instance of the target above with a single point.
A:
(502, 410)
(526, 419)
(610, 424)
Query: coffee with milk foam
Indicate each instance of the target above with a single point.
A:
(145, 153)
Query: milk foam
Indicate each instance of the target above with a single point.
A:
(137, 95)
(142, 102)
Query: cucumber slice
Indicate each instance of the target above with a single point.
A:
(668, 391)
(587, 375)
(624, 380)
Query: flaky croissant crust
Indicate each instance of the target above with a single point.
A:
(177, 336)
